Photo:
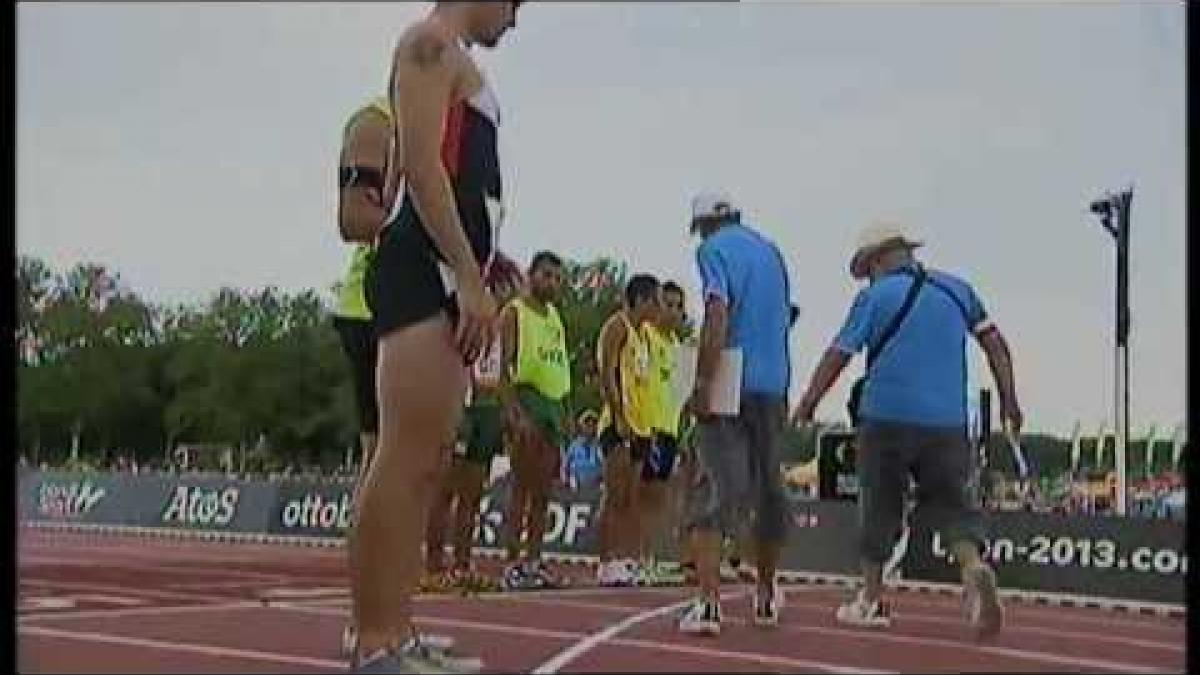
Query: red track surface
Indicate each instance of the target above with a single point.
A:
(103, 603)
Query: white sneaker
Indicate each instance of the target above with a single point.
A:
(701, 617)
(767, 606)
(614, 573)
(981, 602)
(859, 612)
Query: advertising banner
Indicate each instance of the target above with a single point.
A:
(324, 509)
(195, 502)
(211, 503)
(1128, 558)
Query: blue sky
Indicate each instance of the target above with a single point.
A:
(194, 145)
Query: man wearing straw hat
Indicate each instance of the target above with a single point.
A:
(913, 323)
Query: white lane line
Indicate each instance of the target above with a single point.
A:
(790, 664)
(607, 633)
(206, 650)
(137, 611)
(964, 645)
(112, 588)
(1022, 654)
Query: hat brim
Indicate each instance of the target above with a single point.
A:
(858, 261)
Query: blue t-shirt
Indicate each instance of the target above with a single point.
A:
(583, 461)
(743, 268)
(920, 377)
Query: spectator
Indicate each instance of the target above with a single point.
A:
(583, 465)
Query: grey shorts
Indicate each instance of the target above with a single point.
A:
(940, 462)
(737, 471)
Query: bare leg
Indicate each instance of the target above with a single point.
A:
(435, 528)
(706, 552)
(653, 500)
(469, 490)
(543, 475)
(367, 440)
(766, 559)
(632, 517)
(615, 502)
(421, 383)
(872, 580)
(518, 503)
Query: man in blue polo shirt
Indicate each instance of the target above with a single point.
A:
(914, 414)
(746, 307)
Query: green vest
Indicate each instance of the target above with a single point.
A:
(541, 351)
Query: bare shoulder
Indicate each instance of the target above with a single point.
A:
(425, 46)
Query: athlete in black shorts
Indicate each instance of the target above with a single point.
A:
(426, 293)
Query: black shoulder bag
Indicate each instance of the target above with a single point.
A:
(874, 351)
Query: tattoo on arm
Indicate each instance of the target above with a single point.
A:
(427, 50)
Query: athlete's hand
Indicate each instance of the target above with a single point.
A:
(700, 402)
(476, 317)
(802, 416)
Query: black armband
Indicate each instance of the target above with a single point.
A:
(360, 176)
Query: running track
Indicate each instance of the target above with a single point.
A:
(128, 604)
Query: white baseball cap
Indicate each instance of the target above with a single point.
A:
(875, 237)
(711, 204)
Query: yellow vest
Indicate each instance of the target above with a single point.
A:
(634, 375)
(541, 359)
(663, 350)
(351, 301)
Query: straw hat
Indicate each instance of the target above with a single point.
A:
(877, 237)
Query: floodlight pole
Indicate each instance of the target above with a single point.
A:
(1120, 203)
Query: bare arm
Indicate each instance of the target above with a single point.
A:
(361, 206)
(833, 362)
(508, 346)
(713, 335)
(992, 341)
(426, 72)
(612, 341)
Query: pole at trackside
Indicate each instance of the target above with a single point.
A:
(1106, 207)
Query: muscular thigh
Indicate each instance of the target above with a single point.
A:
(420, 382)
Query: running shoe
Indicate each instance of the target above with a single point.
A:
(541, 577)
(859, 612)
(417, 656)
(515, 578)
(981, 602)
(701, 617)
(350, 641)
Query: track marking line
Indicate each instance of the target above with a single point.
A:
(1023, 654)
(607, 607)
(110, 588)
(206, 650)
(605, 634)
(138, 611)
(651, 645)
(1053, 614)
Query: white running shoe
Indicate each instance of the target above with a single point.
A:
(613, 573)
(981, 602)
(859, 612)
(701, 617)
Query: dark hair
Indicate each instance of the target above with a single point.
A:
(544, 258)
(640, 287)
(672, 287)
